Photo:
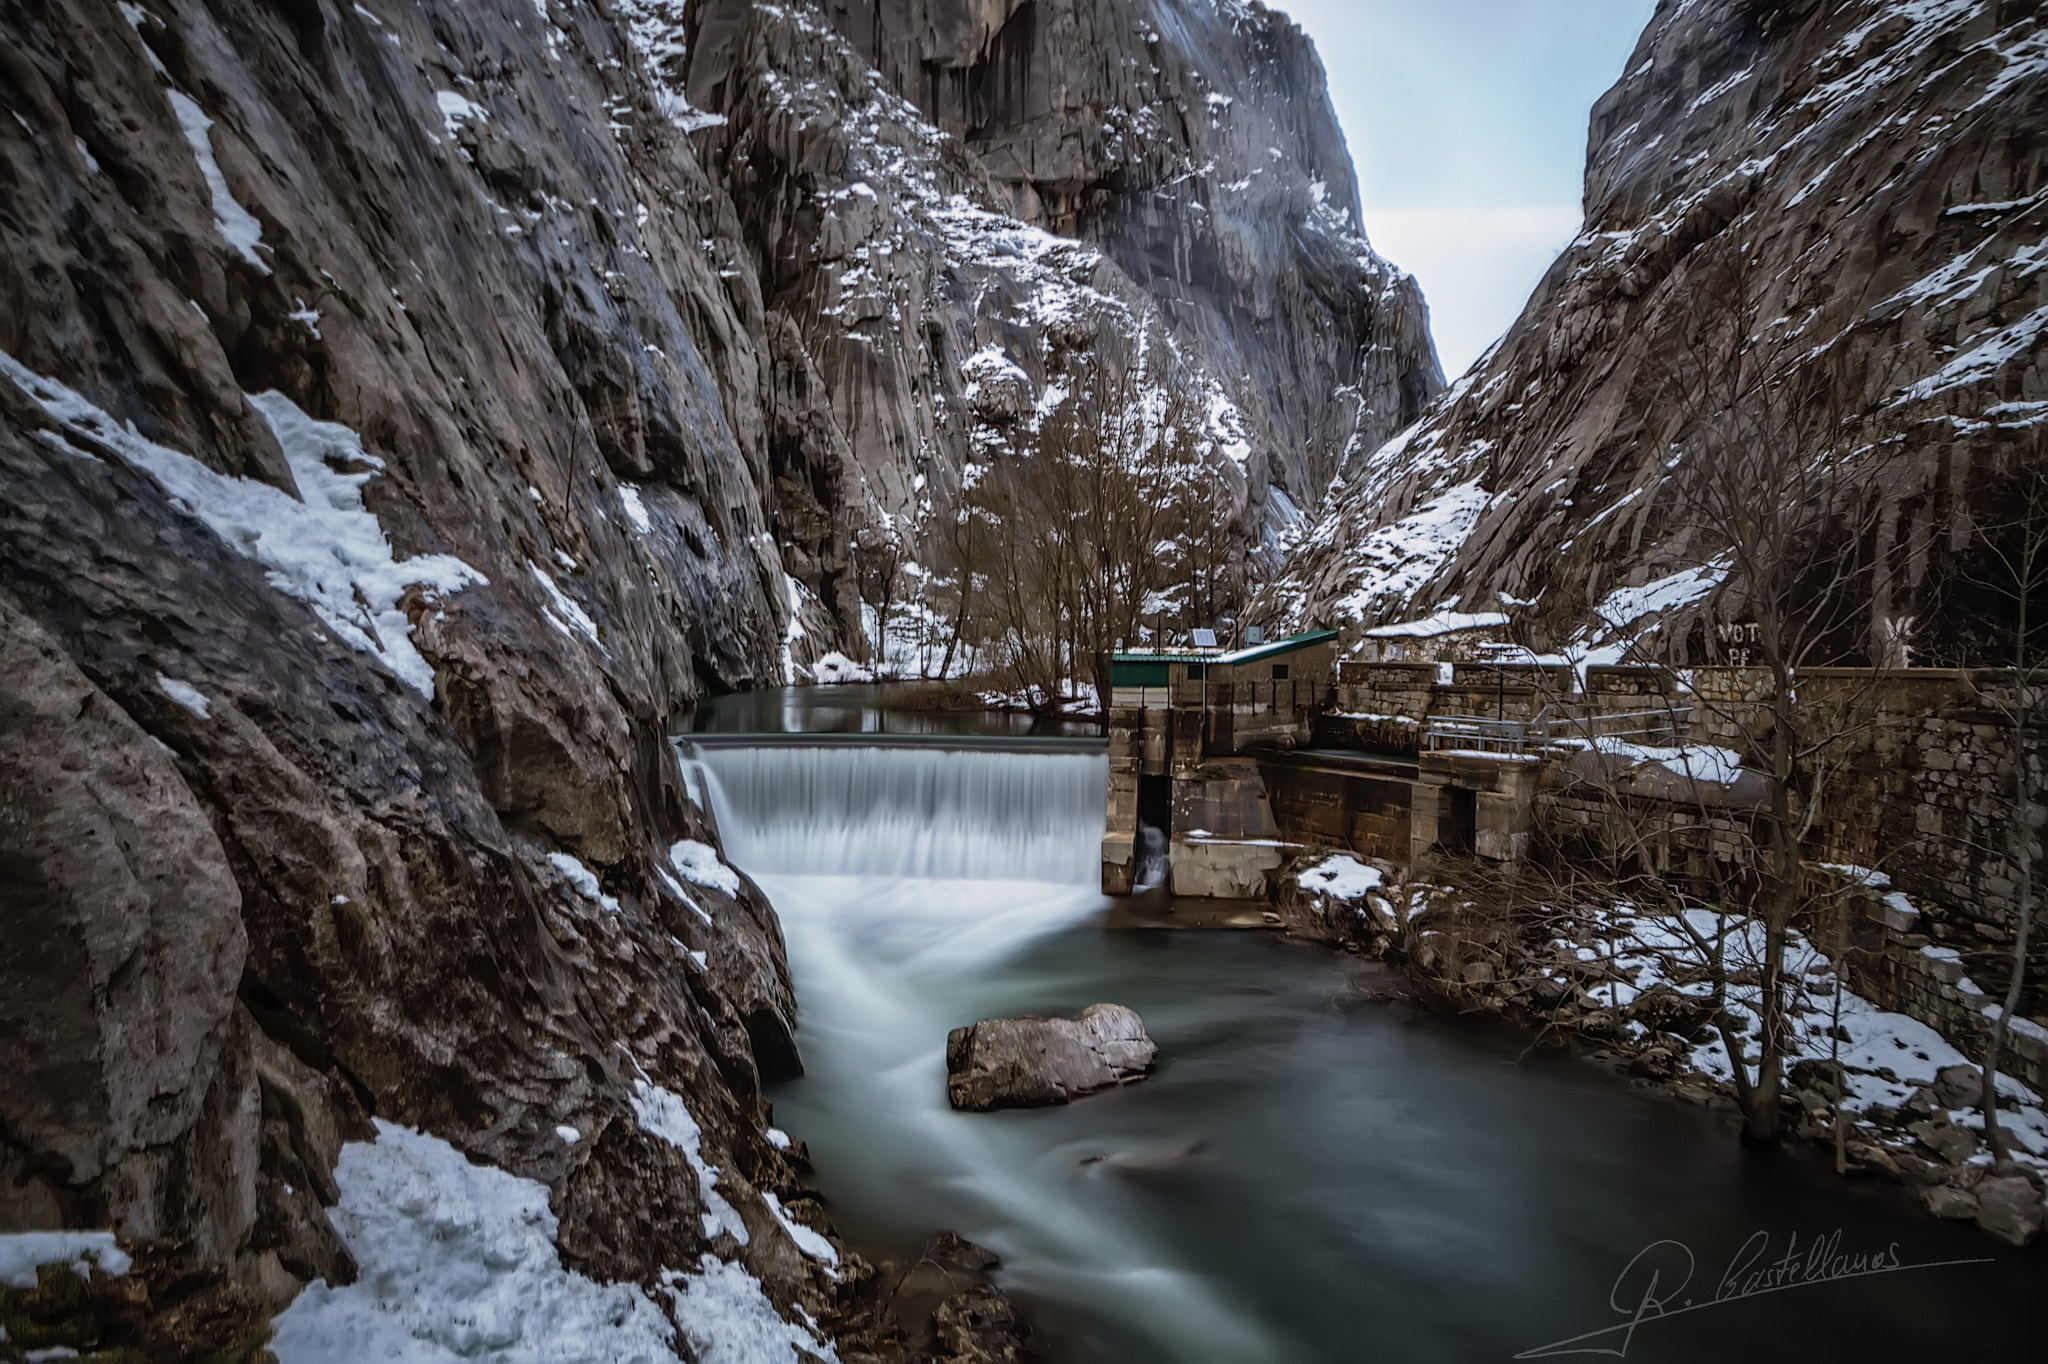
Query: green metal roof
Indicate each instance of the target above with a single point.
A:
(1252, 655)
(1278, 647)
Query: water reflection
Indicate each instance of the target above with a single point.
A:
(870, 708)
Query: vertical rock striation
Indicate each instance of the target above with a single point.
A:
(405, 408)
(1193, 142)
(1880, 166)
(957, 209)
(384, 462)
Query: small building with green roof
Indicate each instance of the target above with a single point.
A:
(1185, 727)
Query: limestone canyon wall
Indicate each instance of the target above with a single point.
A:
(406, 408)
(1878, 169)
(957, 209)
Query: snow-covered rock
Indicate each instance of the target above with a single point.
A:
(1867, 157)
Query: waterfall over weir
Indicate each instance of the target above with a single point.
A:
(991, 812)
(910, 880)
(1312, 1174)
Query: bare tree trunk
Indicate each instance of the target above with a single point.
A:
(2023, 903)
(1841, 1123)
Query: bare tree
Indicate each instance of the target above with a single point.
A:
(1774, 464)
(2011, 564)
(1068, 540)
(878, 559)
(1783, 463)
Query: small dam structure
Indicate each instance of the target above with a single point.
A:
(1185, 733)
(1224, 763)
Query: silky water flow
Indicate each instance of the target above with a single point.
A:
(1312, 1173)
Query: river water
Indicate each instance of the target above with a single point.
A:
(1313, 1173)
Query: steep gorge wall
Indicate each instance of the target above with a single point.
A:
(362, 804)
(406, 408)
(1193, 141)
(1881, 169)
(941, 259)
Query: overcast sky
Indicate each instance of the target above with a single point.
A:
(1467, 120)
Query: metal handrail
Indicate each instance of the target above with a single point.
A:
(1475, 734)
(1670, 726)
(1552, 727)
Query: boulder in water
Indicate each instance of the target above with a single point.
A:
(1033, 1062)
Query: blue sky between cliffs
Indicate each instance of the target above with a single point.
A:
(1467, 120)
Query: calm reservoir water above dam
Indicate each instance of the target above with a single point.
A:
(1312, 1173)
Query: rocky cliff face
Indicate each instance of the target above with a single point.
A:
(1879, 166)
(404, 409)
(335, 777)
(1194, 143)
(958, 210)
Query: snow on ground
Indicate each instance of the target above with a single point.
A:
(22, 1253)
(1341, 877)
(701, 864)
(327, 550)
(1886, 1056)
(1074, 699)
(458, 1261)
(1699, 762)
(837, 667)
(917, 643)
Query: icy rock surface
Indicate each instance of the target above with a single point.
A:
(459, 1261)
(407, 407)
(382, 461)
(936, 276)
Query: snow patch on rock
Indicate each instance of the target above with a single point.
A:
(327, 551)
(663, 1114)
(22, 1253)
(701, 864)
(1341, 877)
(236, 225)
(458, 1261)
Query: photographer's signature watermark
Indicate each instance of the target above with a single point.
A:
(1658, 1284)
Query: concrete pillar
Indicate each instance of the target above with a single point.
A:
(1423, 813)
(1126, 728)
(1507, 813)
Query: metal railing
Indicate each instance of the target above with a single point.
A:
(1664, 727)
(1555, 727)
(1475, 734)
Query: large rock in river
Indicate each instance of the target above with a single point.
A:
(1032, 1062)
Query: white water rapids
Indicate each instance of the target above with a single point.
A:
(906, 879)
